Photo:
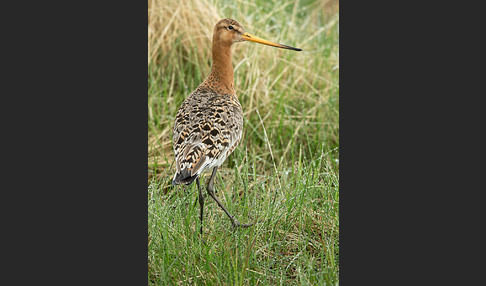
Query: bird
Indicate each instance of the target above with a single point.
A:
(209, 124)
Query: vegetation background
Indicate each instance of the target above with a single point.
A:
(285, 171)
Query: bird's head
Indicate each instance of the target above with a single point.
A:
(228, 31)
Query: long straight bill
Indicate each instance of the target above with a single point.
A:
(251, 38)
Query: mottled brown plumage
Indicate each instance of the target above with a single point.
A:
(207, 128)
(209, 123)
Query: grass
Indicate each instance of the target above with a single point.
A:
(285, 171)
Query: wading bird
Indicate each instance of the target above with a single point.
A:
(209, 123)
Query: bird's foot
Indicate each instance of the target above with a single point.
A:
(236, 224)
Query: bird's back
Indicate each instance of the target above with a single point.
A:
(207, 128)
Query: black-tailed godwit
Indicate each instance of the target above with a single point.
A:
(209, 123)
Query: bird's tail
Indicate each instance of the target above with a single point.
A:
(189, 164)
(184, 177)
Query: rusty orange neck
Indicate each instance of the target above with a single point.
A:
(221, 78)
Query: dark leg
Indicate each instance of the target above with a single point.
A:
(210, 189)
(211, 180)
(201, 203)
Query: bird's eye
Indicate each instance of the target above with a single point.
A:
(230, 27)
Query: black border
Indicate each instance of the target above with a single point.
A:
(77, 133)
